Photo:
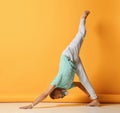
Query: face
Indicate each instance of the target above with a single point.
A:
(58, 94)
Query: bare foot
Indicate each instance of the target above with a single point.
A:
(85, 14)
(94, 103)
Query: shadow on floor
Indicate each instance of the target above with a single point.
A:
(69, 105)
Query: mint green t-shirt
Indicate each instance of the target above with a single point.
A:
(66, 73)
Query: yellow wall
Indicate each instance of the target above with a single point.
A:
(33, 34)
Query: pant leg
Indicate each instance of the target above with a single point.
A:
(84, 80)
(73, 49)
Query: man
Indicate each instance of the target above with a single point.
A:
(70, 64)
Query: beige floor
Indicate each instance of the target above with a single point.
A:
(59, 108)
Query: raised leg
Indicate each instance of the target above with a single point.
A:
(73, 49)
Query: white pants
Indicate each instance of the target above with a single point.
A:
(72, 51)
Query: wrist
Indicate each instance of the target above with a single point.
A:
(32, 105)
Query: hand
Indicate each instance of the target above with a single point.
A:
(26, 107)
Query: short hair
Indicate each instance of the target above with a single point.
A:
(52, 94)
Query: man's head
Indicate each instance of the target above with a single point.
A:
(57, 93)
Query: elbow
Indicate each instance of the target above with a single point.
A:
(76, 84)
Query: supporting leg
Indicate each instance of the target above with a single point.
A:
(87, 85)
(85, 81)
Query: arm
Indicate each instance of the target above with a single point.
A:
(40, 98)
(79, 85)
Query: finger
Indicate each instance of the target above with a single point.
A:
(23, 107)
